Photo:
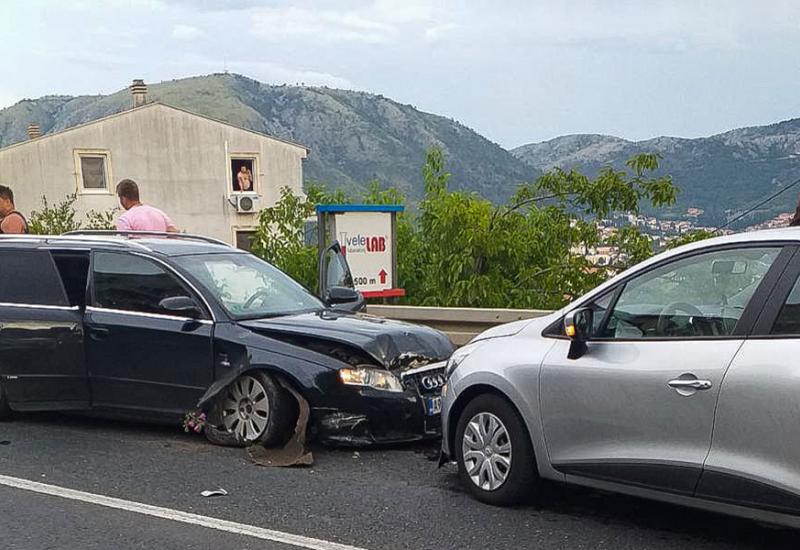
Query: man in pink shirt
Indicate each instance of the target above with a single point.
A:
(138, 216)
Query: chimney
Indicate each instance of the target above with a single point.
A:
(34, 131)
(139, 93)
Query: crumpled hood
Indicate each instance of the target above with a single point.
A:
(392, 343)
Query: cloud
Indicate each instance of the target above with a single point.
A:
(438, 32)
(374, 22)
(186, 32)
(325, 26)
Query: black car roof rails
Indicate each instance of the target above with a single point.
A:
(131, 234)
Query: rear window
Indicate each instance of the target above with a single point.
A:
(29, 277)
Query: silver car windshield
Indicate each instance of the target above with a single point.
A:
(249, 288)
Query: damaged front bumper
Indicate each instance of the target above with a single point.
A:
(367, 416)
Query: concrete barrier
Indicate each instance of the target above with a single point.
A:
(461, 324)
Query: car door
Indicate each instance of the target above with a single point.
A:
(638, 406)
(140, 355)
(755, 453)
(41, 335)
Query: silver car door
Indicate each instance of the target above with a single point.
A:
(638, 407)
(755, 453)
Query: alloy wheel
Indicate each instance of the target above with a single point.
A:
(245, 408)
(486, 450)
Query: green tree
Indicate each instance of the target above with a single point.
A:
(61, 217)
(458, 249)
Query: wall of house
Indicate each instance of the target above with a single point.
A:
(180, 161)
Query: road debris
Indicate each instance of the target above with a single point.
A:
(294, 452)
(215, 493)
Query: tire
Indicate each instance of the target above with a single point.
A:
(491, 480)
(254, 409)
(5, 410)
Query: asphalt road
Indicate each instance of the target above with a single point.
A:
(383, 498)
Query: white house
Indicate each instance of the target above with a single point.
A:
(184, 163)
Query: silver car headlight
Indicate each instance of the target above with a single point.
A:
(458, 357)
(370, 377)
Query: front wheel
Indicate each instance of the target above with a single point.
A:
(252, 409)
(494, 452)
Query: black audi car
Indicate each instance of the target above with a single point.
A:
(154, 327)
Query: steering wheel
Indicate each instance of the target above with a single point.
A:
(261, 293)
(665, 317)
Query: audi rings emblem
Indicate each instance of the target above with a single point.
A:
(433, 381)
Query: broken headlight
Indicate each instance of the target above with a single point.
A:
(370, 377)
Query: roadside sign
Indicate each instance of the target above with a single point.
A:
(366, 234)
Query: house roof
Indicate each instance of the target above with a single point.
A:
(149, 106)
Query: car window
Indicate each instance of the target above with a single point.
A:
(336, 270)
(132, 283)
(29, 277)
(248, 287)
(702, 295)
(788, 320)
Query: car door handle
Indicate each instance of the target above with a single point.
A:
(96, 333)
(690, 384)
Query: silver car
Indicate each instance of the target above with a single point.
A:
(678, 380)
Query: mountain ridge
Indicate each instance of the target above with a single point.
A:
(722, 174)
(355, 137)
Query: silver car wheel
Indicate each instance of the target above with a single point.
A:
(245, 409)
(486, 450)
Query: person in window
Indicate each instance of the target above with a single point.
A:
(138, 216)
(11, 221)
(245, 178)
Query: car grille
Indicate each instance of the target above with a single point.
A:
(428, 380)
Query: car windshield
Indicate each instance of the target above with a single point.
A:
(249, 288)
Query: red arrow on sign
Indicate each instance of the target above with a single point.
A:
(383, 275)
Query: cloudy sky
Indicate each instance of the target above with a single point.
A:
(517, 71)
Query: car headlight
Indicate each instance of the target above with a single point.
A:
(370, 377)
(458, 357)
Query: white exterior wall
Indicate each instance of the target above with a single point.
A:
(181, 162)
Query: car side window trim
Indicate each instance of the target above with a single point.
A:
(40, 306)
(149, 315)
(774, 303)
(208, 313)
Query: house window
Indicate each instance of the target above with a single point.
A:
(93, 170)
(243, 174)
(244, 240)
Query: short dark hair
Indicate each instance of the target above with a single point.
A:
(6, 193)
(128, 189)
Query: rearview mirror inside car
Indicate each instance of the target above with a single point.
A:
(183, 305)
(729, 267)
(578, 326)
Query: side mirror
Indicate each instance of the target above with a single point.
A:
(578, 326)
(347, 299)
(182, 305)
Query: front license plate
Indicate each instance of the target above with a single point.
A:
(433, 405)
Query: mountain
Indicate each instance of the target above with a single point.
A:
(722, 174)
(354, 137)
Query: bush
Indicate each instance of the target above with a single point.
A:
(60, 218)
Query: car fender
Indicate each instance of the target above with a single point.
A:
(515, 375)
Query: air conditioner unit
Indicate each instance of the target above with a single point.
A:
(246, 204)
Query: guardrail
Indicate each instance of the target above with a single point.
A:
(461, 324)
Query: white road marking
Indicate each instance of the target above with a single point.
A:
(174, 515)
